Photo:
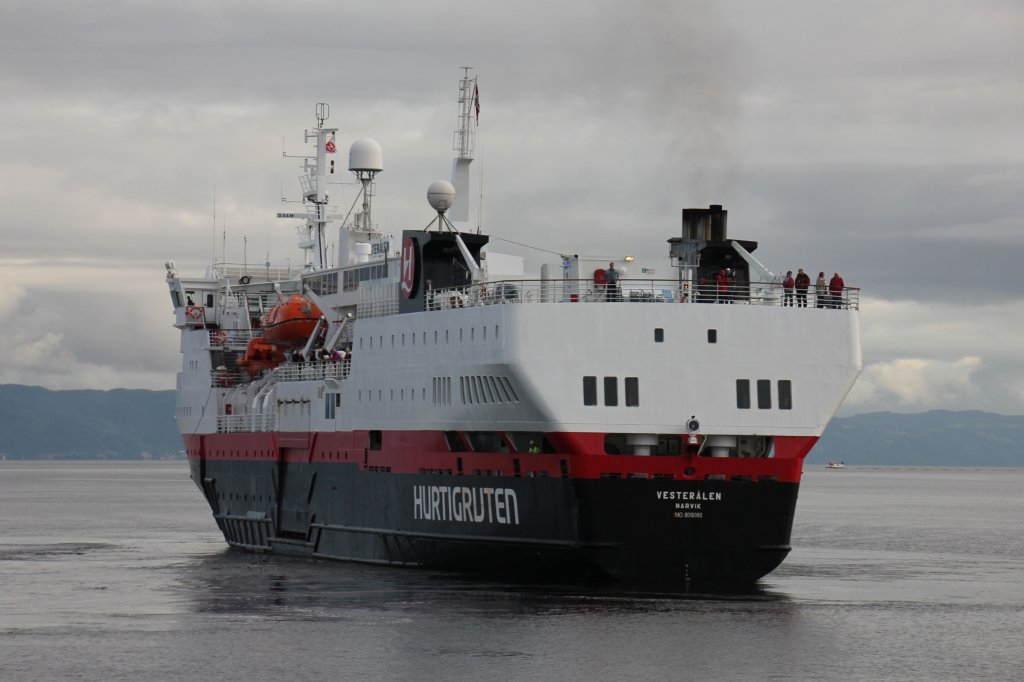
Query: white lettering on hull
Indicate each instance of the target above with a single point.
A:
(696, 495)
(465, 504)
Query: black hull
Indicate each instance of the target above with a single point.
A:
(634, 531)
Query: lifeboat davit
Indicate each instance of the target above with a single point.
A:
(290, 324)
(260, 354)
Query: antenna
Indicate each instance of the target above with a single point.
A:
(468, 103)
(480, 204)
(322, 113)
(464, 143)
(365, 160)
(213, 244)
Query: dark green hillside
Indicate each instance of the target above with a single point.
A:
(936, 438)
(36, 423)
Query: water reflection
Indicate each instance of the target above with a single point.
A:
(232, 582)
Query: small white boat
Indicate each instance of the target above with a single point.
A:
(836, 465)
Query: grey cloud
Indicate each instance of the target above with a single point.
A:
(875, 139)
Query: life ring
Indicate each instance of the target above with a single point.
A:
(219, 338)
(194, 313)
(244, 279)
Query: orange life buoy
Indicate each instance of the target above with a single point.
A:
(194, 313)
(219, 338)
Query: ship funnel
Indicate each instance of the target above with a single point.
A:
(706, 224)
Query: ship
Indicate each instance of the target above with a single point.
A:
(396, 400)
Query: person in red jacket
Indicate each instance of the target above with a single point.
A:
(722, 279)
(835, 289)
(787, 289)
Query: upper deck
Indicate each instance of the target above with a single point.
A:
(526, 291)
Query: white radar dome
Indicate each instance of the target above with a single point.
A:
(441, 195)
(365, 155)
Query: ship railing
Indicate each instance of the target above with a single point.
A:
(313, 371)
(635, 291)
(222, 377)
(245, 423)
(234, 423)
(233, 339)
(244, 273)
(377, 308)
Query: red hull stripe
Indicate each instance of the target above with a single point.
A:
(580, 455)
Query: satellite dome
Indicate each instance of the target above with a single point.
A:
(441, 195)
(365, 155)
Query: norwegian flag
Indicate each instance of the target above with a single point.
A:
(476, 101)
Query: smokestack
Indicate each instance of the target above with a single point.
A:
(719, 223)
(705, 224)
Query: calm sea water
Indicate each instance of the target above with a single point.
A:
(113, 571)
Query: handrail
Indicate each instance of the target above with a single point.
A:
(636, 291)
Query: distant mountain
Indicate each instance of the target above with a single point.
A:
(36, 423)
(936, 438)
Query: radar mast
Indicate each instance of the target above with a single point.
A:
(464, 144)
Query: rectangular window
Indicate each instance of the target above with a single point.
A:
(785, 394)
(590, 390)
(743, 394)
(712, 336)
(611, 391)
(375, 440)
(659, 335)
(764, 394)
(632, 392)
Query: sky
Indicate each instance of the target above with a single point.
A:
(882, 140)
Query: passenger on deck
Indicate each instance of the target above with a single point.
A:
(611, 278)
(802, 282)
(835, 288)
(787, 288)
(722, 284)
(820, 291)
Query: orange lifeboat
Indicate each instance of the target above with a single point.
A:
(290, 324)
(260, 354)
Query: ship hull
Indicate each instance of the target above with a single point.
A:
(633, 531)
